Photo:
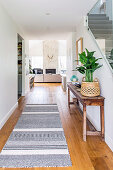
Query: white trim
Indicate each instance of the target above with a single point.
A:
(40, 113)
(6, 117)
(40, 130)
(35, 152)
(109, 141)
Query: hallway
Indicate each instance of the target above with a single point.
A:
(94, 154)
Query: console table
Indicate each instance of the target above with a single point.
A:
(87, 101)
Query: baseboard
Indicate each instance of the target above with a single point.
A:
(6, 117)
(109, 142)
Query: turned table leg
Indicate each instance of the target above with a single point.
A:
(68, 97)
(84, 122)
(77, 102)
(102, 121)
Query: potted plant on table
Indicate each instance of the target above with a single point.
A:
(89, 87)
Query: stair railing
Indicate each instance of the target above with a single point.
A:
(104, 57)
(97, 10)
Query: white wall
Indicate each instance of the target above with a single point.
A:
(8, 66)
(101, 44)
(36, 48)
(106, 84)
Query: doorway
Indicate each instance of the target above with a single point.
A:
(20, 64)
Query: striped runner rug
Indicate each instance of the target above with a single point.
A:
(37, 140)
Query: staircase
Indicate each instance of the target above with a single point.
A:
(101, 27)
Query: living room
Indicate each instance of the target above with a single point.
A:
(47, 61)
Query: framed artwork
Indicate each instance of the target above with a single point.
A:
(79, 49)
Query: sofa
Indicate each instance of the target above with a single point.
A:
(48, 78)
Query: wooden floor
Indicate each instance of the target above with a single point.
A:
(90, 155)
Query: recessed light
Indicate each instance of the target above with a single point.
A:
(48, 13)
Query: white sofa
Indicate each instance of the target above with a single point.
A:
(48, 78)
(52, 78)
(38, 78)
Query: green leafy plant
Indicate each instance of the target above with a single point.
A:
(88, 64)
(111, 58)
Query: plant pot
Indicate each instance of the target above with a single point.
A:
(90, 89)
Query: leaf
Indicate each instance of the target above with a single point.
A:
(81, 69)
(82, 58)
(96, 67)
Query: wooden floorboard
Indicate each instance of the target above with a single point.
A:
(91, 155)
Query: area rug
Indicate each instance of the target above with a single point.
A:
(37, 140)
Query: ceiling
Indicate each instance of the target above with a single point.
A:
(40, 19)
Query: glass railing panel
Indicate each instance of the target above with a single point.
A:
(99, 8)
(100, 24)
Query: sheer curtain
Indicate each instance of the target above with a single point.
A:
(62, 64)
(37, 62)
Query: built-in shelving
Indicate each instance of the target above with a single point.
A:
(19, 62)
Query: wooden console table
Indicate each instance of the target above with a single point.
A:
(87, 101)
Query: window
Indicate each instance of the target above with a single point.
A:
(37, 62)
(62, 64)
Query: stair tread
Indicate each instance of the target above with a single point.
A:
(102, 32)
(99, 28)
(98, 19)
(97, 14)
(100, 22)
(103, 29)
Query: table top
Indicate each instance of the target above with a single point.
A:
(77, 93)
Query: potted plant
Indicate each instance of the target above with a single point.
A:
(89, 87)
